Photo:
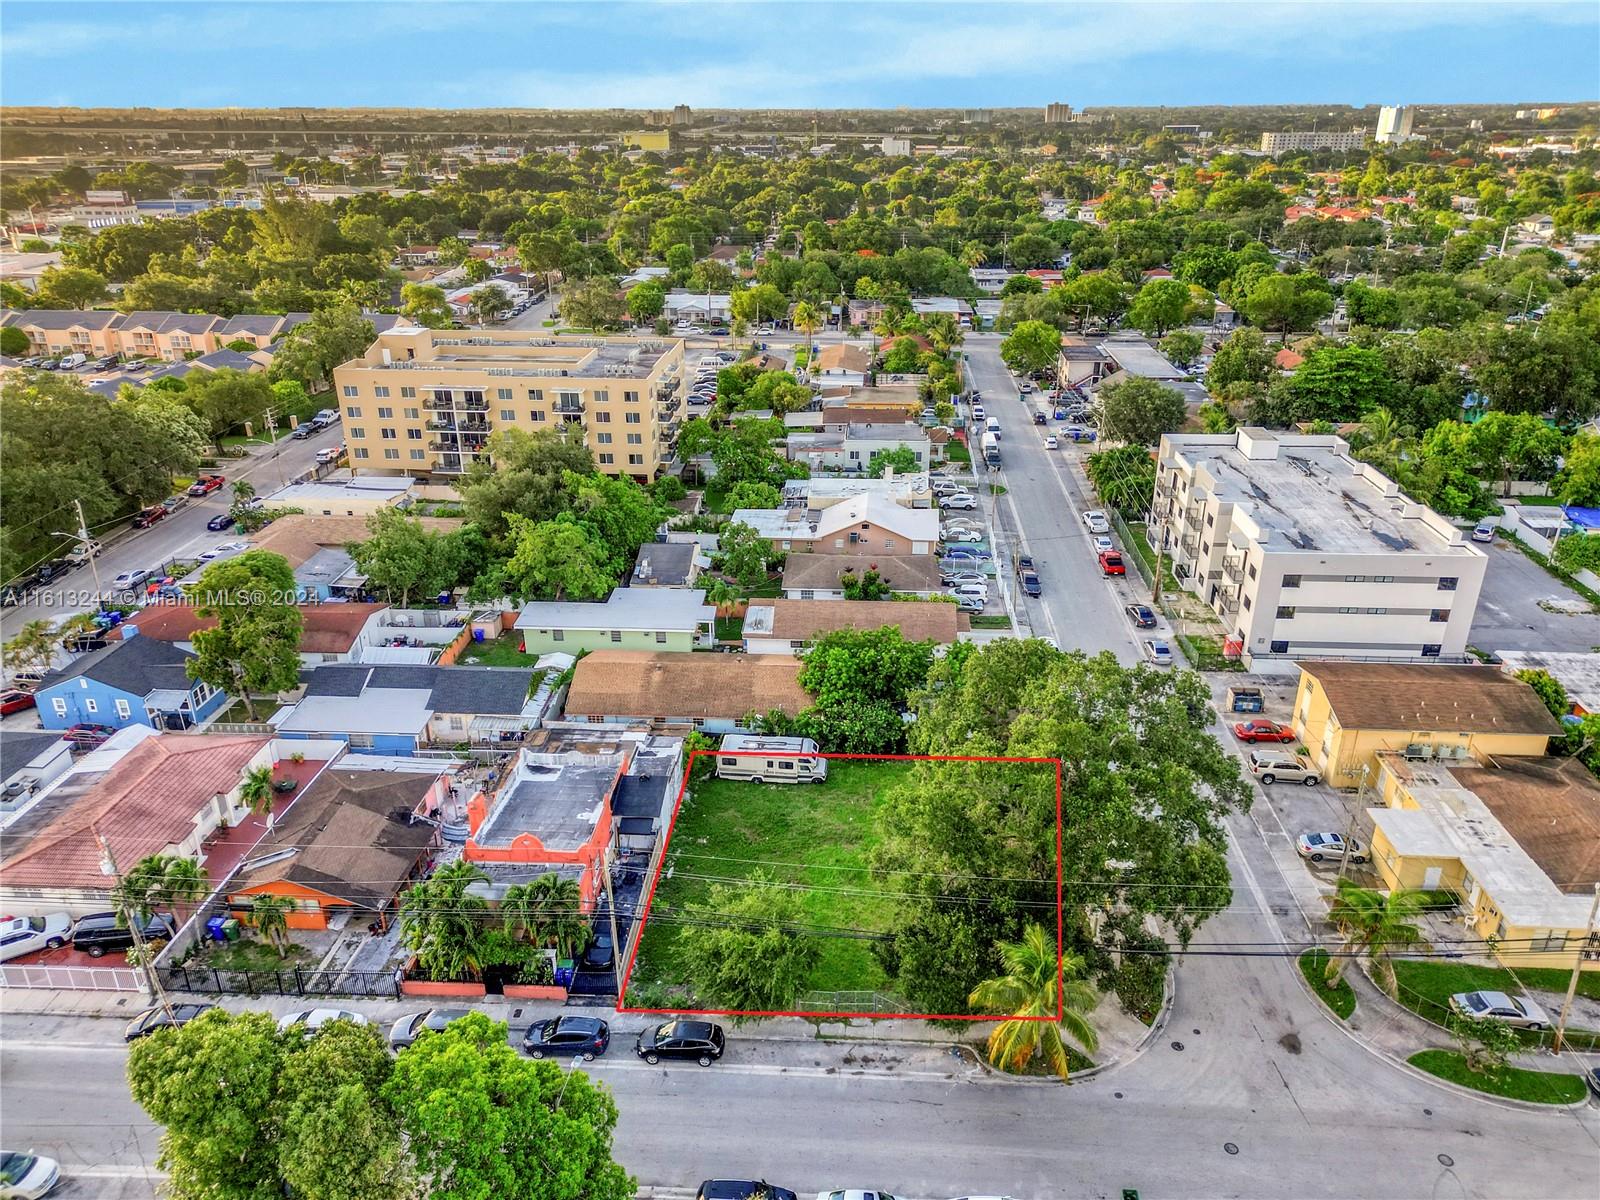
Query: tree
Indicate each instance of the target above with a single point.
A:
(646, 301)
(487, 302)
(255, 645)
(1485, 1042)
(443, 924)
(1340, 383)
(903, 460)
(69, 287)
(807, 319)
(744, 949)
(157, 882)
(869, 585)
(256, 790)
(1032, 346)
(1244, 358)
(1124, 477)
(1138, 411)
(593, 304)
(228, 398)
(1549, 689)
(1182, 346)
(311, 350)
(13, 341)
(556, 560)
(1372, 924)
(861, 681)
(903, 357)
(758, 303)
(744, 553)
(751, 494)
(1161, 304)
(1285, 302)
(426, 305)
(1579, 481)
(400, 558)
(1516, 445)
(548, 912)
(526, 475)
(270, 916)
(476, 270)
(34, 647)
(481, 1120)
(1035, 985)
(620, 514)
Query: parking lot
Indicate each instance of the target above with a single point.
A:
(1523, 607)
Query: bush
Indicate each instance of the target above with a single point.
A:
(1578, 552)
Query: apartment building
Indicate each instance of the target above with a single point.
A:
(1306, 553)
(425, 401)
(1308, 139)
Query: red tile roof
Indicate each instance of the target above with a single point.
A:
(324, 629)
(145, 803)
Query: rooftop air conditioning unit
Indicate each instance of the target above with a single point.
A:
(1418, 752)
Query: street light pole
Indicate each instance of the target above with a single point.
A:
(83, 539)
(108, 867)
(1577, 966)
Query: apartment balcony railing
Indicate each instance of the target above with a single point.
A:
(436, 403)
(473, 406)
(452, 446)
(442, 423)
(566, 407)
(447, 462)
(1233, 568)
(1191, 544)
(473, 425)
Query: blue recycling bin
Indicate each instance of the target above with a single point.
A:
(216, 928)
(477, 634)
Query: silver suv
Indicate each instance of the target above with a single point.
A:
(1272, 766)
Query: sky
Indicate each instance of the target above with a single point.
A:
(793, 53)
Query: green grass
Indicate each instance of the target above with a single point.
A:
(997, 489)
(1341, 998)
(729, 629)
(817, 828)
(1514, 1083)
(248, 955)
(502, 652)
(1204, 652)
(990, 621)
(1426, 988)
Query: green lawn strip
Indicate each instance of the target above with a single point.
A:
(246, 955)
(820, 826)
(1341, 998)
(729, 629)
(1514, 1083)
(990, 621)
(1426, 988)
(502, 652)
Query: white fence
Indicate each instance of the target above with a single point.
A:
(53, 976)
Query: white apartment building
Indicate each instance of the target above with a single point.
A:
(1306, 553)
(1308, 139)
(1394, 123)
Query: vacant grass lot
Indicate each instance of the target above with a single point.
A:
(503, 651)
(795, 833)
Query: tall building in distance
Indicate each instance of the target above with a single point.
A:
(1057, 113)
(976, 116)
(425, 402)
(1308, 139)
(1394, 123)
(681, 115)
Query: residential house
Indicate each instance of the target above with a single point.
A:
(1138, 359)
(28, 762)
(1347, 713)
(817, 576)
(1082, 363)
(351, 843)
(901, 398)
(1517, 840)
(990, 279)
(699, 307)
(1578, 674)
(711, 692)
(789, 626)
(315, 548)
(851, 449)
(842, 363)
(1539, 226)
(669, 565)
(258, 328)
(399, 709)
(909, 490)
(862, 524)
(328, 632)
(630, 618)
(170, 336)
(356, 496)
(132, 681)
(68, 331)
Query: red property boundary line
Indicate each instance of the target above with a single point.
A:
(622, 999)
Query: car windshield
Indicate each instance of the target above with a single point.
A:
(14, 1166)
(1476, 1002)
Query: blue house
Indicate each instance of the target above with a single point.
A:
(136, 681)
(398, 709)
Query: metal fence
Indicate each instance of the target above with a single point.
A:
(851, 1002)
(65, 978)
(291, 981)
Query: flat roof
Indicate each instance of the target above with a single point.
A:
(1305, 492)
(1140, 358)
(515, 353)
(1578, 673)
(558, 798)
(381, 710)
(364, 488)
(682, 610)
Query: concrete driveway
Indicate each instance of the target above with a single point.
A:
(1522, 607)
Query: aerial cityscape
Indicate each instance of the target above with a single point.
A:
(737, 601)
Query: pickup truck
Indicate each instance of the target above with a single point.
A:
(206, 484)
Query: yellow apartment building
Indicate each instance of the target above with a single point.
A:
(424, 402)
(1516, 839)
(1346, 713)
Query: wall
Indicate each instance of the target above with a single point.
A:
(311, 909)
(574, 641)
(88, 701)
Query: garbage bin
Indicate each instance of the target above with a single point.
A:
(477, 633)
(564, 972)
(230, 929)
(214, 928)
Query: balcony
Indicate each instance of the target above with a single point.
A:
(436, 423)
(436, 403)
(474, 443)
(473, 406)
(448, 463)
(1191, 519)
(1191, 544)
(568, 407)
(473, 425)
(1233, 568)
(450, 444)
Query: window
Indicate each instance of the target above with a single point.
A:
(1280, 647)
(1439, 616)
(631, 418)
(503, 394)
(607, 459)
(353, 411)
(558, 635)
(408, 393)
(1289, 581)
(1285, 612)
(603, 418)
(385, 414)
(351, 389)
(1205, 547)
(59, 705)
(391, 453)
(90, 704)
(603, 439)
(358, 433)
(1246, 602)
(1209, 521)
(636, 439)
(381, 392)
(414, 435)
(616, 635)
(1552, 939)
(602, 396)
(661, 637)
(1355, 578)
(1430, 651)
(636, 460)
(413, 414)
(1348, 611)
(388, 435)
(419, 454)
(202, 692)
(123, 710)
(360, 452)
(535, 394)
(888, 545)
(508, 415)
(1376, 612)
(1252, 570)
(630, 397)
(536, 415)
(1448, 583)
(1383, 579)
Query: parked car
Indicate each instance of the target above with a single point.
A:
(57, 568)
(129, 580)
(27, 1176)
(1269, 766)
(959, 534)
(99, 934)
(1158, 652)
(853, 1194)
(87, 735)
(1320, 846)
(410, 1027)
(218, 551)
(173, 503)
(1095, 521)
(1039, 419)
(970, 591)
(742, 1189)
(1484, 531)
(149, 516)
(24, 935)
(84, 640)
(15, 700)
(1519, 1011)
(1251, 732)
(330, 454)
(965, 500)
(82, 552)
(1030, 583)
(963, 554)
(955, 578)
(1101, 543)
(970, 605)
(220, 522)
(701, 1041)
(206, 484)
(586, 1037)
(1050, 442)
(314, 1019)
(1141, 615)
(600, 952)
(1111, 563)
(305, 430)
(152, 1019)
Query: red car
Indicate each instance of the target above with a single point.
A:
(1263, 731)
(149, 516)
(87, 736)
(206, 484)
(1111, 563)
(15, 700)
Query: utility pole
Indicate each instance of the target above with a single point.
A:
(152, 982)
(1350, 830)
(85, 541)
(1572, 984)
(611, 912)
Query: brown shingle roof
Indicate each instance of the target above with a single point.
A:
(846, 414)
(903, 573)
(639, 683)
(1420, 697)
(841, 356)
(324, 628)
(344, 842)
(298, 536)
(802, 620)
(1551, 806)
(145, 803)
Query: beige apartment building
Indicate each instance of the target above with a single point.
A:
(424, 402)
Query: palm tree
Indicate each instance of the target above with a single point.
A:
(270, 916)
(256, 791)
(522, 910)
(807, 319)
(34, 647)
(1036, 985)
(443, 924)
(561, 903)
(1373, 923)
(1384, 441)
(160, 881)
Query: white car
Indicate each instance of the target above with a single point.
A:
(961, 535)
(1050, 442)
(315, 1018)
(1497, 1006)
(218, 551)
(958, 500)
(1095, 521)
(1159, 653)
(977, 412)
(853, 1194)
(27, 1176)
(23, 935)
(971, 578)
(1102, 543)
(331, 454)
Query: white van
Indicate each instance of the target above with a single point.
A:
(770, 759)
(992, 426)
(72, 362)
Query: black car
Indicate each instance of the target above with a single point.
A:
(84, 641)
(1038, 418)
(742, 1189)
(56, 569)
(1030, 583)
(152, 1019)
(1141, 615)
(600, 951)
(412, 1026)
(220, 521)
(100, 933)
(698, 1040)
(588, 1036)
